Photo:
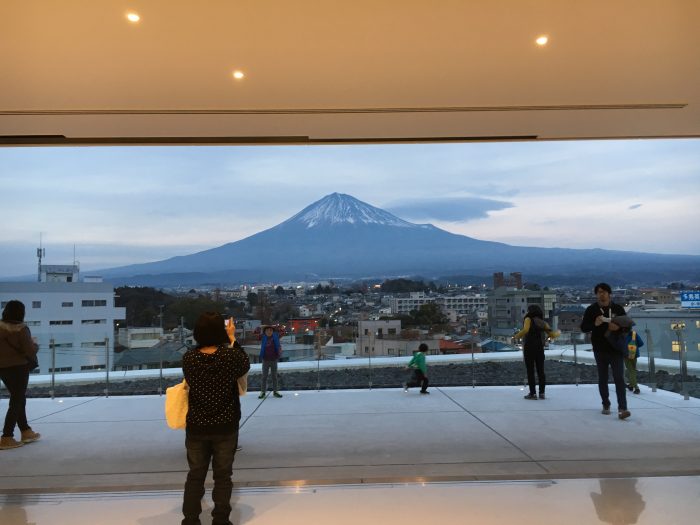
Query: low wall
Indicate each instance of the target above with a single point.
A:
(313, 376)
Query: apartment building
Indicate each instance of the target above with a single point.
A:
(383, 339)
(405, 304)
(507, 308)
(462, 304)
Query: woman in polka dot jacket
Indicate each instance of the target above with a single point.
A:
(211, 371)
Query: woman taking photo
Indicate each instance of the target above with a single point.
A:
(211, 370)
(17, 357)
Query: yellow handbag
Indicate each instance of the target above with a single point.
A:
(176, 405)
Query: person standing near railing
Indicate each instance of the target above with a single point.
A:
(270, 354)
(535, 330)
(17, 358)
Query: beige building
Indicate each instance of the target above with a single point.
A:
(383, 339)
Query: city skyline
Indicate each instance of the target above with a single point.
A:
(123, 205)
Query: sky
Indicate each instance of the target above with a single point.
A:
(120, 205)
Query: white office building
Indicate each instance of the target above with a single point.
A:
(72, 321)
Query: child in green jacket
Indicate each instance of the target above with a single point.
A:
(419, 370)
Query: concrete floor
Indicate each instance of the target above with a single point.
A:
(97, 452)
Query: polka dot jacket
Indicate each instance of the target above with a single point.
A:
(214, 406)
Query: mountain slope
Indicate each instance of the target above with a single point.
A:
(340, 236)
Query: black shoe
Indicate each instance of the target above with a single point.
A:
(277, 394)
(542, 395)
(424, 392)
(531, 396)
(629, 387)
(636, 390)
(606, 410)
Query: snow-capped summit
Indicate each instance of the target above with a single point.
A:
(339, 208)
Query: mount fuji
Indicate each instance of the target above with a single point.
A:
(340, 236)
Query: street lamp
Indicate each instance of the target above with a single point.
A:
(678, 327)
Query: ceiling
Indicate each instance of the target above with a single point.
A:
(78, 72)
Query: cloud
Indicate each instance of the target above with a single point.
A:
(634, 206)
(450, 209)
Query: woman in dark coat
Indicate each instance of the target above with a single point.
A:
(17, 357)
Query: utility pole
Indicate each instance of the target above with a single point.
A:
(40, 252)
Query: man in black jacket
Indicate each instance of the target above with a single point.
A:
(598, 319)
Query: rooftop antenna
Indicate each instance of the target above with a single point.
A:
(40, 252)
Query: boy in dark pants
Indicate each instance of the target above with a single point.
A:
(270, 354)
(420, 370)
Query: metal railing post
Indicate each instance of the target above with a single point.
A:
(473, 369)
(318, 372)
(106, 366)
(160, 376)
(652, 364)
(371, 348)
(52, 346)
(683, 362)
(577, 377)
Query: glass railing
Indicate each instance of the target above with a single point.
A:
(66, 372)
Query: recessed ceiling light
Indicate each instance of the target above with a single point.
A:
(238, 75)
(133, 17)
(542, 40)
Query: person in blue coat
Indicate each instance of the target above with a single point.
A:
(270, 354)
